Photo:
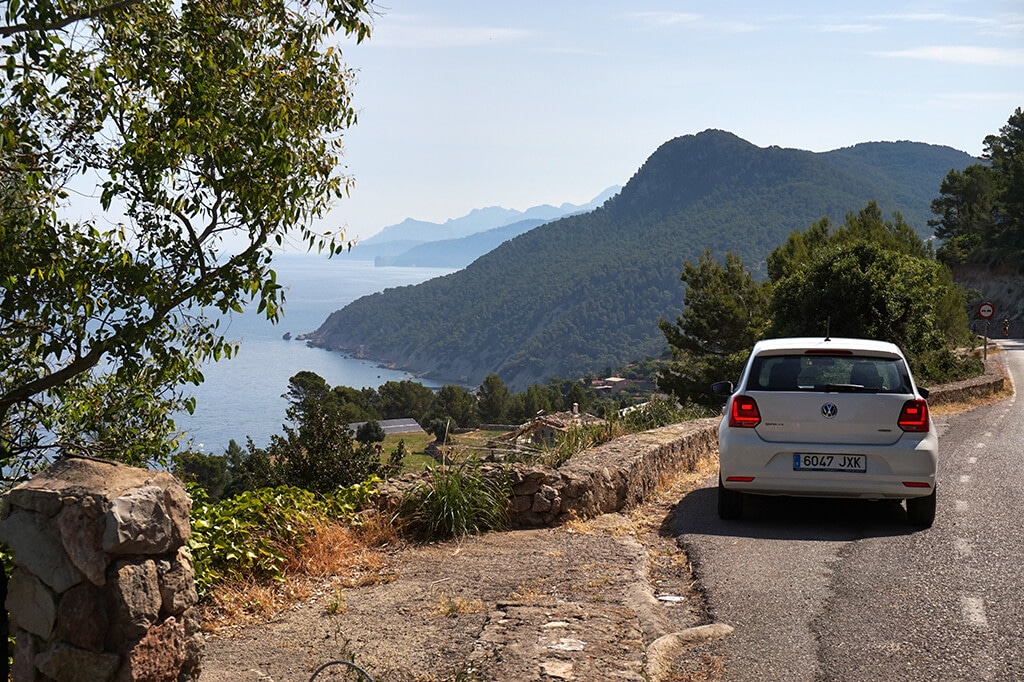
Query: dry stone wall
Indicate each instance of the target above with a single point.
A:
(990, 383)
(103, 587)
(604, 479)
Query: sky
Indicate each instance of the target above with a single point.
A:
(467, 104)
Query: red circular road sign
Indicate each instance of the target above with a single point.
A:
(986, 310)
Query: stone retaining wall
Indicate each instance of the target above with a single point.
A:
(103, 585)
(991, 382)
(608, 478)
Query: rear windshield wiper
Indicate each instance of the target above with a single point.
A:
(849, 388)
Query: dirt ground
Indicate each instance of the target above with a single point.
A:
(583, 601)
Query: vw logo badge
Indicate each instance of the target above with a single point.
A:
(829, 410)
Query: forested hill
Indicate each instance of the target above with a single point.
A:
(585, 293)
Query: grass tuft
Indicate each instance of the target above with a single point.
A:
(455, 500)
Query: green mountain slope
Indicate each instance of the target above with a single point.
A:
(585, 292)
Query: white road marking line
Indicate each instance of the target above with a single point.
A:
(974, 611)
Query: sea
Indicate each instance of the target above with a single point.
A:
(244, 396)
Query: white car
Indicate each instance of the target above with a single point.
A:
(827, 417)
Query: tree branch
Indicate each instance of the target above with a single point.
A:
(31, 26)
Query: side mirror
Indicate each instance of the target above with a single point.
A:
(722, 388)
(923, 391)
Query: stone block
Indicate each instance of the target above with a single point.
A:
(527, 487)
(177, 583)
(138, 522)
(134, 594)
(23, 665)
(159, 655)
(521, 503)
(37, 548)
(65, 663)
(82, 618)
(44, 501)
(81, 533)
(32, 606)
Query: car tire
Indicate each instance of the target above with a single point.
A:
(730, 502)
(921, 510)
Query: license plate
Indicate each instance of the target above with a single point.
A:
(830, 463)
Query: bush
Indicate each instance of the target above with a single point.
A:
(651, 415)
(658, 412)
(945, 366)
(456, 500)
(253, 534)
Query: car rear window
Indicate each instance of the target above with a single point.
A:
(829, 373)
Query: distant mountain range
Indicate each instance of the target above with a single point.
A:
(459, 241)
(584, 292)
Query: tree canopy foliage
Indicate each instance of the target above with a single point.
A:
(726, 311)
(869, 278)
(980, 209)
(204, 132)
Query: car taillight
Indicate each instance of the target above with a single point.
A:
(744, 412)
(914, 416)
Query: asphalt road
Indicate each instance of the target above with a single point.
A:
(846, 590)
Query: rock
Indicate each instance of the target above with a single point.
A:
(32, 605)
(101, 558)
(68, 664)
(141, 522)
(81, 533)
(177, 583)
(82, 619)
(134, 593)
(37, 547)
(157, 656)
(23, 665)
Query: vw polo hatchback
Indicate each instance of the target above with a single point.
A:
(819, 417)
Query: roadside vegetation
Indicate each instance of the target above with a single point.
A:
(258, 549)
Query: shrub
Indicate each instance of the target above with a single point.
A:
(943, 366)
(253, 534)
(456, 500)
(653, 414)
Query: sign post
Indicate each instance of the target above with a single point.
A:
(985, 311)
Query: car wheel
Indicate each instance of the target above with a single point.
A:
(921, 510)
(730, 502)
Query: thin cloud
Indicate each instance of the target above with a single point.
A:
(960, 54)
(408, 31)
(934, 18)
(855, 29)
(666, 18)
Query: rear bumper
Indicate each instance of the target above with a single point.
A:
(913, 459)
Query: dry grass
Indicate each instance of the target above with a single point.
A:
(530, 591)
(577, 525)
(352, 554)
(708, 668)
(335, 556)
(452, 607)
(965, 405)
